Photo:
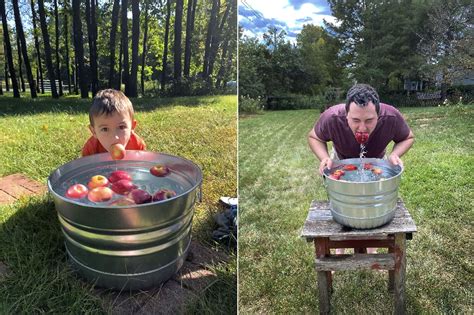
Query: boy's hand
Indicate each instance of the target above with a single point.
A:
(325, 163)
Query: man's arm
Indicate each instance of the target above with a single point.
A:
(320, 149)
(401, 148)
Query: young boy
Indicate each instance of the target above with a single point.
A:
(111, 122)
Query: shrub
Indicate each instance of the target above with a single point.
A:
(295, 101)
(250, 105)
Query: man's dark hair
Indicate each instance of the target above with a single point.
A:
(362, 94)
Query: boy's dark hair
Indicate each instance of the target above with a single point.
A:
(109, 101)
(362, 94)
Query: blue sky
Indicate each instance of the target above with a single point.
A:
(290, 15)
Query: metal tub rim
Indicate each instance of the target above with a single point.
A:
(129, 152)
(326, 172)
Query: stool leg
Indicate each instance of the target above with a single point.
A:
(324, 277)
(391, 273)
(399, 273)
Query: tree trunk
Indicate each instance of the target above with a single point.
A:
(77, 30)
(76, 75)
(211, 30)
(226, 57)
(8, 50)
(189, 34)
(92, 36)
(20, 64)
(7, 84)
(37, 46)
(221, 73)
(21, 36)
(124, 31)
(66, 44)
(165, 50)
(131, 87)
(47, 48)
(216, 39)
(145, 38)
(58, 61)
(178, 27)
(119, 81)
(113, 35)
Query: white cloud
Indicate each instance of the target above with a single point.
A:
(283, 11)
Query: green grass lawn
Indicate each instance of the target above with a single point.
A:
(278, 179)
(37, 136)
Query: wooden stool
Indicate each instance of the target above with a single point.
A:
(326, 233)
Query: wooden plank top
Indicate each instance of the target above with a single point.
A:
(320, 223)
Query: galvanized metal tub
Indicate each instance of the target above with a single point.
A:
(128, 247)
(364, 205)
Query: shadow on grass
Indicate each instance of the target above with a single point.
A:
(10, 106)
(39, 279)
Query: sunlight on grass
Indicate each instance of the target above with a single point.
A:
(38, 136)
(278, 179)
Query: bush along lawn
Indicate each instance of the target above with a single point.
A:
(37, 136)
(278, 178)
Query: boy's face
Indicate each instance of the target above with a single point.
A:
(112, 129)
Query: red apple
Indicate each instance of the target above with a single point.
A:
(118, 175)
(77, 191)
(100, 194)
(123, 186)
(117, 151)
(164, 194)
(361, 137)
(367, 166)
(140, 196)
(122, 202)
(339, 172)
(160, 170)
(98, 181)
(350, 167)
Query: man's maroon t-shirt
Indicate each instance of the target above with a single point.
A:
(333, 126)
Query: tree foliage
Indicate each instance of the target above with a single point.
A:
(447, 41)
(382, 43)
(113, 49)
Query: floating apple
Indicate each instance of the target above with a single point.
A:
(350, 167)
(367, 166)
(98, 181)
(361, 137)
(122, 202)
(77, 191)
(140, 196)
(377, 171)
(123, 186)
(339, 172)
(118, 175)
(100, 194)
(117, 151)
(160, 170)
(164, 194)
(336, 177)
